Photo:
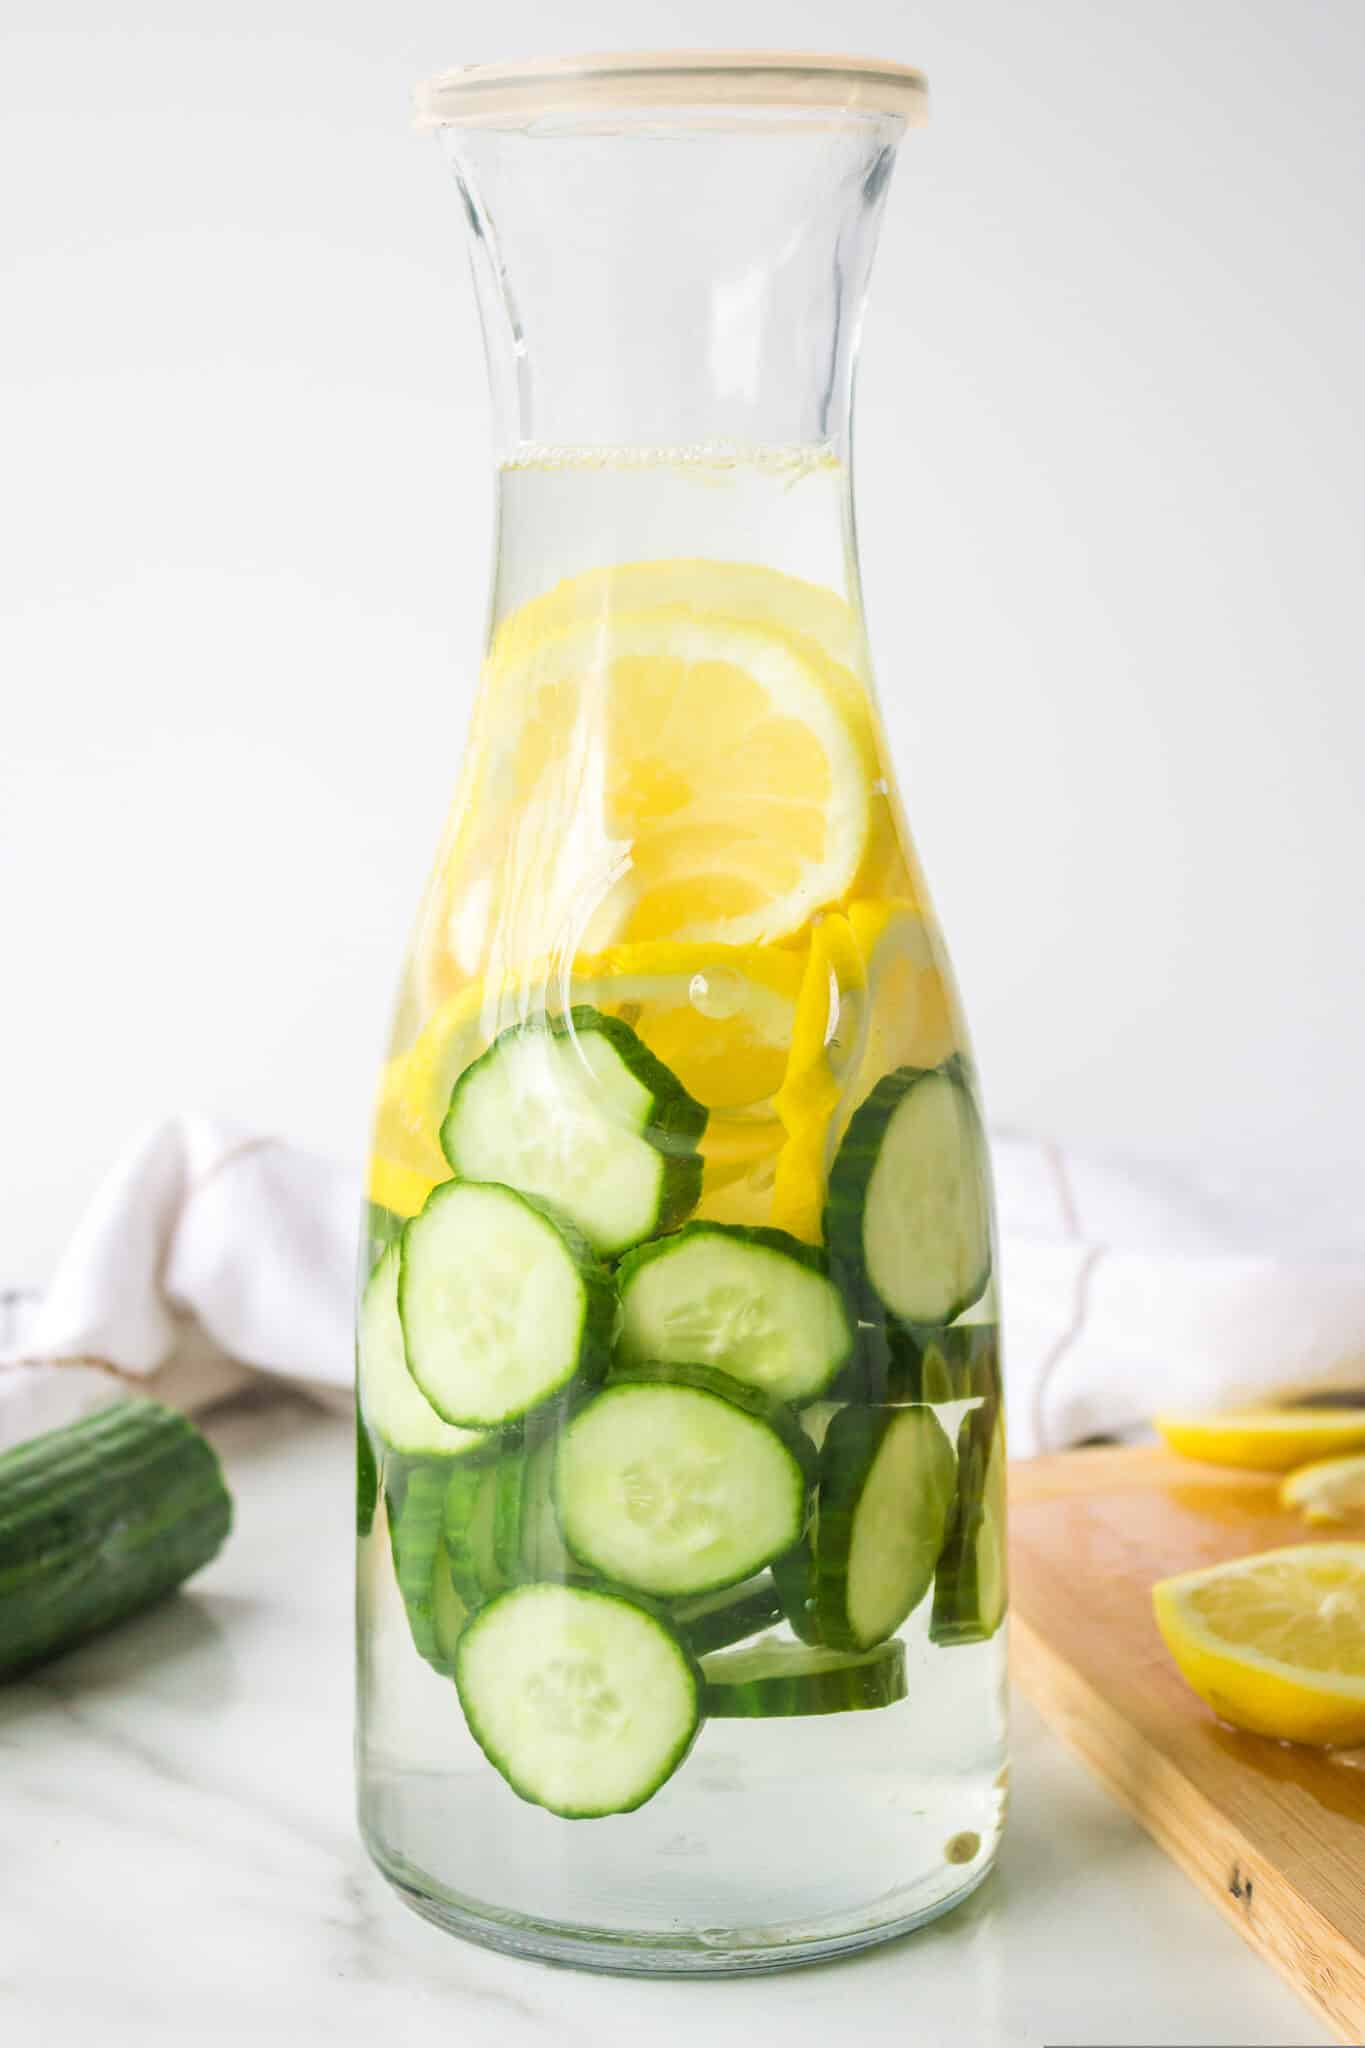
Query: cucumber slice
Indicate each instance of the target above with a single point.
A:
(886, 1489)
(544, 1553)
(581, 1113)
(468, 1530)
(957, 1364)
(395, 1407)
(718, 1619)
(381, 1228)
(908, 1212)
(448, 1613)
(511, 1502)
(421, 1564)
(585, 1702)
(527, 1544)
(366, 1478)
(757, 1303)
(779, 1679)
(502, 1304)
(970, 1592)
(679, 1481)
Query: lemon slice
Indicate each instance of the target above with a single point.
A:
(717, 789)
(822, 626)
(720, 1017)
(809, 614)
(683, 749)
(1275, 1642)
(1332, 1490)
(406, 1162)
(913, 1018)
(827, 1038)
(876, 996)
(1264, 1439)
(814, 621)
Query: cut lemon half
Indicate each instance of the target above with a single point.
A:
(1331, 1490)
(1275, 1642)
(1264, 1439)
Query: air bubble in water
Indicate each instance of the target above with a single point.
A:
(718, 993)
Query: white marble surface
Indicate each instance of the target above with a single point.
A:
(179, 1865)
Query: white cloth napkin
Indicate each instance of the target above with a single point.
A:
(1129, 1290)
(209, 1254)
(212, 1253)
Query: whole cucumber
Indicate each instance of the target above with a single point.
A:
(99, 1519)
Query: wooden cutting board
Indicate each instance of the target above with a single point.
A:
(1275, 1835)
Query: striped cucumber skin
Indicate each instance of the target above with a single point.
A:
(774, 1680)
(885, 1493)
(970, 1588)
(366, 1477)
(511, 1505)
(720, 1619)
(662, 1117)
(545, 1555)
(757, 1303)
(961, 1363)
(416, 1509)
(448, 1613)
(794, 1580)
(99, 1519)
(468, 1520)
(907, 1217)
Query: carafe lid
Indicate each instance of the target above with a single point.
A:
(634, 81)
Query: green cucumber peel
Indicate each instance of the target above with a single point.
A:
(970, 1585)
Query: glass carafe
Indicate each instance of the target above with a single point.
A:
(681, 1564)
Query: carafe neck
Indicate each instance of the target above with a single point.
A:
(682, 278)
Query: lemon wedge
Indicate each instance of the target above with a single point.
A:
(1330, 1490)
(1264, 1439)
(1275, 1642)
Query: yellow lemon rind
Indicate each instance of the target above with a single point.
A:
(1264, 1439)
(1246, 1687)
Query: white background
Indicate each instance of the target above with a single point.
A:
(1110, 483)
